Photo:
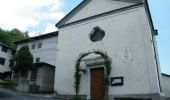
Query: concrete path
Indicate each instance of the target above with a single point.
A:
(6, 94)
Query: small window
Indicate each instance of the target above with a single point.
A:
(39, 45)
(4, 49)
(33, 46)
(37, 60)
(2, 61)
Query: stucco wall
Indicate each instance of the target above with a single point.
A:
(7, 56)
(40, 74)
(47, 53)
(96, 7)
(128, 29)
(166, 85)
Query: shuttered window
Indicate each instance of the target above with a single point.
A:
(4, 49)
(39, 45)
(2, 61)
(33, 46)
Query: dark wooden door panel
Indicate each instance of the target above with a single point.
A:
(97, 83)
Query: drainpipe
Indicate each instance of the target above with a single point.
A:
(156, 59)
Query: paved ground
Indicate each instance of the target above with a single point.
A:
(6, 94)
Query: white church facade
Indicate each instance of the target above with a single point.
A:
(128, 39)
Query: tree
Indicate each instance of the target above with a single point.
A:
(24, 60)
(9, 37)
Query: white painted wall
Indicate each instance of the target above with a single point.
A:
(128, 29)
(96, 7)
(166, 85)
(47, 53)
(7, 55)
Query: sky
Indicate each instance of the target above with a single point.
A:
(161, 19)
(40, 16)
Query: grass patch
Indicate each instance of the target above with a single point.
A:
(4, 82)
(7, 84)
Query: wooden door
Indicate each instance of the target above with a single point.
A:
(97, 83)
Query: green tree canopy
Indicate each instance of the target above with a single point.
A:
(24, 60)
(9, 37)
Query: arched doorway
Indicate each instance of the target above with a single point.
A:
(103, 76)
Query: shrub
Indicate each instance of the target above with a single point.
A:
(77, 98)
(7, 84)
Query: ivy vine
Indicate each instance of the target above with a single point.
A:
(79, 71)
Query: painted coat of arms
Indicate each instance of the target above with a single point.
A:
(127, 55)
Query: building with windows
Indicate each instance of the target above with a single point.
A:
(42, 47)
(166, 85)
(5, 56)
(124, 30)
(44, 51)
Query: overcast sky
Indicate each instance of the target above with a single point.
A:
(40, 16)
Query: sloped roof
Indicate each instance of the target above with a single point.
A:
(72, 12)
(135, 1)
(41, 64)
(82, 5)
(48, 35)
(165, 75)
(85, 2)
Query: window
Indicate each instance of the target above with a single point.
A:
(33, 46)
(37, 60)
(4, 49)
(97, 34)
(34, 75)
(2, 61)
(39, 45)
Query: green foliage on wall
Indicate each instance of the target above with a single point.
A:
(79, 71)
